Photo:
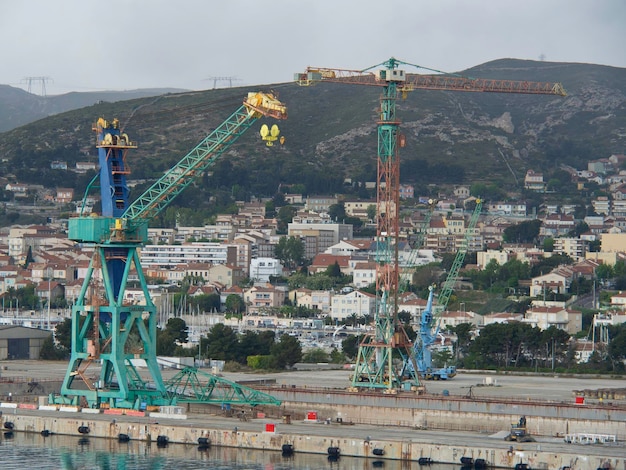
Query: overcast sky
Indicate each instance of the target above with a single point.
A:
(83, 45)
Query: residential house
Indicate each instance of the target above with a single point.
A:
(350, 247)
(462, 192)
(601, 205)
(406, 191)
(358, 208)
(82, 167)
(556, 225)
(507, 209)
(619, 300)
(534, 181)
(320, 203)
(322, 261)
(47, 290)
(225, 274)
(232, 290)
(262, 269)
(262, 298)
(483, 258)
(613, 242)
(557, 281)
(58, 165)
(364, 274)
(502, 317)
(319, 237)
(356, 303)
(559, 317)
(314, 299)
(453, 319)
(64, 195)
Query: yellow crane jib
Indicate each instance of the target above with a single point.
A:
(265, 104)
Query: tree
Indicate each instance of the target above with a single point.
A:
(253, 343)
(285, 216)
(206, 302)
(221, 343)
(350, 345)
(463, 333)
(235, 304)
(580, 228)
(52, 352)
(315, 355)
(63, 333)
(548, 244)
(617, 347)
(178, 329)
(286, 352)
(333, 270)
(337, 212)
(524, 232)
(290, 250)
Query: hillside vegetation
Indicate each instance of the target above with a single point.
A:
(451, 137)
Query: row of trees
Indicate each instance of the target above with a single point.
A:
(257, 350)
(513, 345)
(521, 346)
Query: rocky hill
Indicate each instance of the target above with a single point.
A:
(451, 137)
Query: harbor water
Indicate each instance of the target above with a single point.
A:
(20, 451)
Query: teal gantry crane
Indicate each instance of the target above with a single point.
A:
(106, 327)
(375, 366)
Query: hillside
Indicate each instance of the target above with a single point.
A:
(451, 137)
(18, 107)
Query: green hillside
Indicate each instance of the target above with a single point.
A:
(451, 137)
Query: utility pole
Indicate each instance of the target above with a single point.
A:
(43, 81)
(230, 80)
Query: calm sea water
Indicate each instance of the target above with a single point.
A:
(32, 451)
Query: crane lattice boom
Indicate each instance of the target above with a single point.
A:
(172, 183)
(411, 82)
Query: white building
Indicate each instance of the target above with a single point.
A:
(356, 303)
(197, 252)
(262, 268)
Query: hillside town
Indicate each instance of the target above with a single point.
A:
(237, 256)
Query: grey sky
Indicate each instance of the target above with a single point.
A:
(86, 45)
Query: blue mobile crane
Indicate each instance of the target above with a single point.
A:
(430, 319)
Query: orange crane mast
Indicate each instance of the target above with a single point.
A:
(375, 367)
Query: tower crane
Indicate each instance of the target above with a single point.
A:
(375, 367)
(106, 326)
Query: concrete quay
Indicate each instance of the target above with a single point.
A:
(468, 420)
(358, 440)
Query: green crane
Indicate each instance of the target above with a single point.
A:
(107, 327)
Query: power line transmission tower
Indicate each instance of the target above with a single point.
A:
(30, 81)
(230, 80)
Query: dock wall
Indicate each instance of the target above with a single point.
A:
(316, 444)
(455, 414)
